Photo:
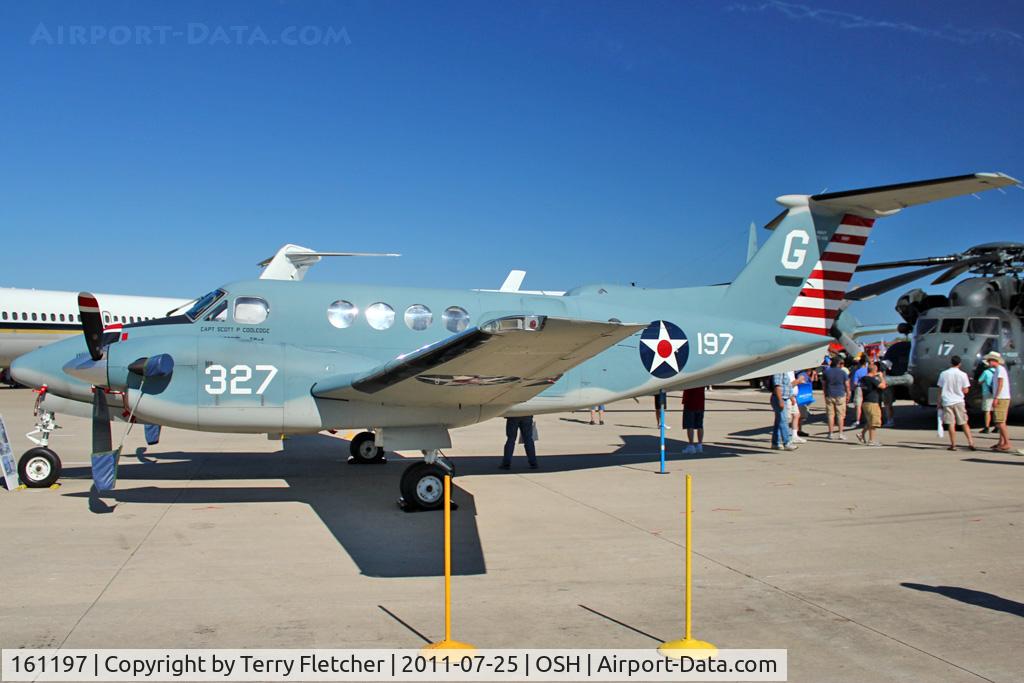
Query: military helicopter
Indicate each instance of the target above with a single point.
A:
(980, 314)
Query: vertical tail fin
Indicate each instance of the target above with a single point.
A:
(799, 278)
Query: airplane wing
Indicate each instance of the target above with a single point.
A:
(505, 361)
(891, 198)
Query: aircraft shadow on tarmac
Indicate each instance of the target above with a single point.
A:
(357, 503)
(972, 597)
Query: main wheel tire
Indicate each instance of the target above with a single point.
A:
(422, 485)
(39, 468)
(364, 448)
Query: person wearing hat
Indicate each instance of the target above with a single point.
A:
(1001, 391)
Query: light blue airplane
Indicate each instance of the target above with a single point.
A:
(414, 363)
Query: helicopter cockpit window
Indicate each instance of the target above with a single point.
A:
(1006, 338)
(925, 326)
(986, 326)
(203, 303)
(952, 325)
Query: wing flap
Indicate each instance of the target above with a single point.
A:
(504, 361)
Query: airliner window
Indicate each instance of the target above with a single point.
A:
(251, 310)
(455, 319)
(925, 326)
(342, 314)
(219, 312)
(418, 317)
(33, 316)
(986, 326)
(380, 316)
(952, 325)
(4, 315)
(203, 303)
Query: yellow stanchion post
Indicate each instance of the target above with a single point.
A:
(447, 644)
(688, 646)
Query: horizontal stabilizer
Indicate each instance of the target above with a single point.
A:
(887, 199)
(502, 362)
(292, 261)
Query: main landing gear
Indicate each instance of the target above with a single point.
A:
(40, 467)
(422, 483)
(364, 449)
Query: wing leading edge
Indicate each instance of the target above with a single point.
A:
(505, 361)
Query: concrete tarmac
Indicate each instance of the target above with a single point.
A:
(898, 563)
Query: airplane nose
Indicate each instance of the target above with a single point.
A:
(29, 370)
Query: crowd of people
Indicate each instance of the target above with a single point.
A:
(864, 390)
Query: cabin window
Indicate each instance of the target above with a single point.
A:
(952, 325)
(986, 326)
(418, 317)
(3, 315)
(455, 319)
(106, 317)
(53, 318)
(1006, 338)
(61, 316)
(342, 313)
(34, 316)
(251, 310)
(24, 316)
(380, 316)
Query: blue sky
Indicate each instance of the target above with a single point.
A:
(581, 141)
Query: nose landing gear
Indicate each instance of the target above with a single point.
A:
(40, 467)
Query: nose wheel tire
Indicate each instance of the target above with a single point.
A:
(422, 485)
(364, 449)
(39, 468)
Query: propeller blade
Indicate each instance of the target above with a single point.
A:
(873, 289)
(908, 263)
(92, 323)
(104, 459)
(100, 422)
(152, 434)
(962, 267)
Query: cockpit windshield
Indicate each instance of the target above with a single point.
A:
(925, 326)
(986, 326)
(203, 303)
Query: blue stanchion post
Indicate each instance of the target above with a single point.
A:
(661, 421)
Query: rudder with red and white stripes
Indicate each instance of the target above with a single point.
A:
(819, 300)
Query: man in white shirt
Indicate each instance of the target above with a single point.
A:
(955, 384)
(1001, 391)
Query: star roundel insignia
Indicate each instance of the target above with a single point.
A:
(663, 349)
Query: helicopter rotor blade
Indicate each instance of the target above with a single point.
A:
(870, 291)
(962, 267)
(908, 263)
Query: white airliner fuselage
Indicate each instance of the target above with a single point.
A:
(30, 318)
